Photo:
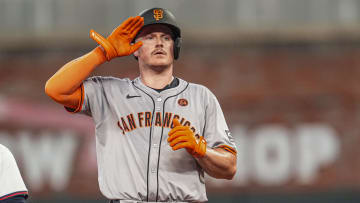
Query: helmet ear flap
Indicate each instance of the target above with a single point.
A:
(177, 45)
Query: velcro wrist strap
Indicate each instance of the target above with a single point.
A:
(109, 49)
(201, 148)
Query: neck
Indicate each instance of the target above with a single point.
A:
(156, 77)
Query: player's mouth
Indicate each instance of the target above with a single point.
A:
(159, 52)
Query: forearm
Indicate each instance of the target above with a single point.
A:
(69, 77)
(218, 163)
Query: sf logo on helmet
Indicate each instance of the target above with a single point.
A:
(158, 14)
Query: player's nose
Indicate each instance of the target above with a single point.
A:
(158, 39)
(159, 42)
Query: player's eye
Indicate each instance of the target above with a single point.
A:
(149, 37)
(167, 38)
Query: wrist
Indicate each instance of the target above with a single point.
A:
(200, 150)
(100, 53)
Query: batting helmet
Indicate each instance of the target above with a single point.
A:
(163, 16)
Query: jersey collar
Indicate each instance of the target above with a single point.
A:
(167, 92)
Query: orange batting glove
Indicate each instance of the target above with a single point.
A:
(183, 137)
(119, 41)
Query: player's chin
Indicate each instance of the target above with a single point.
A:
(161, 61)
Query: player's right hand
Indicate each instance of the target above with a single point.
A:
(119, 41)
(183, 137)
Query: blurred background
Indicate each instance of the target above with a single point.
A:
(286, 73)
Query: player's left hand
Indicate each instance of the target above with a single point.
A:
(183, 137)
(119, 41)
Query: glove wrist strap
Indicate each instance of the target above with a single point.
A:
(200, 150)
(105, 44)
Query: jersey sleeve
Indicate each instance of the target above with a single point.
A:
(91, 95)
(11, 181)
(98, 94)
(81, 102)
(94, 99)
(15, 199)
(216, 131)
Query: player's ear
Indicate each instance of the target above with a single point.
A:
(136, 53)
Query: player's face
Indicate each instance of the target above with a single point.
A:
(157, 48)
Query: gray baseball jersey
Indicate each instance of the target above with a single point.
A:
(132, 121)
(11, 182)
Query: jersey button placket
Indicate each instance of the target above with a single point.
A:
(153, 165)
(158, 104)
(153, 184)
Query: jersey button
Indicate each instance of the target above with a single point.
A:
(155, 145)
(153, 170)
(157, 108)
(159, 99)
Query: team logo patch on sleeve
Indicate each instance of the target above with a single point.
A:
(183, 102)
(228, 133)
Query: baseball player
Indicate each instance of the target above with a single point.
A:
(156, 135)
(12, 187)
